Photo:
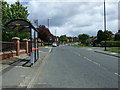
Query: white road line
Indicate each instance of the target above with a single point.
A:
(117, 74)
(75, 53)
(96, 63)
(87, 59)
(92, 61)
(50, 49)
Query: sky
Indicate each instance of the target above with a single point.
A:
(73, 17)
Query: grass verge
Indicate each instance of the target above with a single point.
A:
(76, 46)
(80, 46)
(114, 49)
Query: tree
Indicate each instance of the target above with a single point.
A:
(11, 12)
(63, 38)
(45, 34)
(108, 35)
(7, 35)
(102, 36)
(83, 38)
(117, 36)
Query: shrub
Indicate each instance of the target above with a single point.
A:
(110, 43)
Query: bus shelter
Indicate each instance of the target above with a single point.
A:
(22, 26)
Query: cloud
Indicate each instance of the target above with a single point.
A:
(73, 18)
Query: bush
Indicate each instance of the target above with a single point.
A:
(110, 43)
(95, 43)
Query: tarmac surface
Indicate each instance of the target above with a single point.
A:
(59, 65)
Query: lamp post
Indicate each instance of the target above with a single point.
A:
(55, 32)
(105, 23)
(48, 22)
(55, 36)
(48, 28)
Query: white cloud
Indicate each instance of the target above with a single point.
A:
(73, 18)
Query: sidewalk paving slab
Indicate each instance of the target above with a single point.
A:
(30, 70)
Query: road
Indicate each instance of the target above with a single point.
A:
(70, 67)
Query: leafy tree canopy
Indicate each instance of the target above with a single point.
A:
(11, 12)
(104, 35)
(117, 36)
(83, 37)
(63, 38)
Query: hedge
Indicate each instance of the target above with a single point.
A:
(110, 43)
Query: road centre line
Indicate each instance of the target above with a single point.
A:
(87, 59)
(92, 61)
(117, 74)
(77, 53)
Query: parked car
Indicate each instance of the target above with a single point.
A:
(54, 44)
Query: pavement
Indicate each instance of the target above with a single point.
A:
(7, 62)
(108, 53)
(16, 74)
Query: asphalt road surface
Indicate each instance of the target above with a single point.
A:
(70, 67)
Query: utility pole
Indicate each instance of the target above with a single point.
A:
(105, 23)
(48, 22)
(55, 36)
(55, 32)
(48, 28)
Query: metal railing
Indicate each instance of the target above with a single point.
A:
(22, 45)
(8, 46)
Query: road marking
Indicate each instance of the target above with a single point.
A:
(96, 63)
(87, 59)
(77, 53)
(50, 49)
(22, 76)
(92, 61)
(117, 74)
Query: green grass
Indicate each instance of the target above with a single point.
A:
(114, 49)
(80, 46)
(76, 46)
(46, 46)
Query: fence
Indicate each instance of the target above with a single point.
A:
(22, 45)
(17, 47)
(8, 46)
(10, 49)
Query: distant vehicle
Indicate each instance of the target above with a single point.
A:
(54, 44)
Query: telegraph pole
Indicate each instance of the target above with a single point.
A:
(105, 23)
(55, 36)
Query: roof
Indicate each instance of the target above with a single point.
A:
(20, 25)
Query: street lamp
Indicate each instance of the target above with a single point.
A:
(48, 28)
(55, 32)
(48, 22)
(105, 23)
(55, 36)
